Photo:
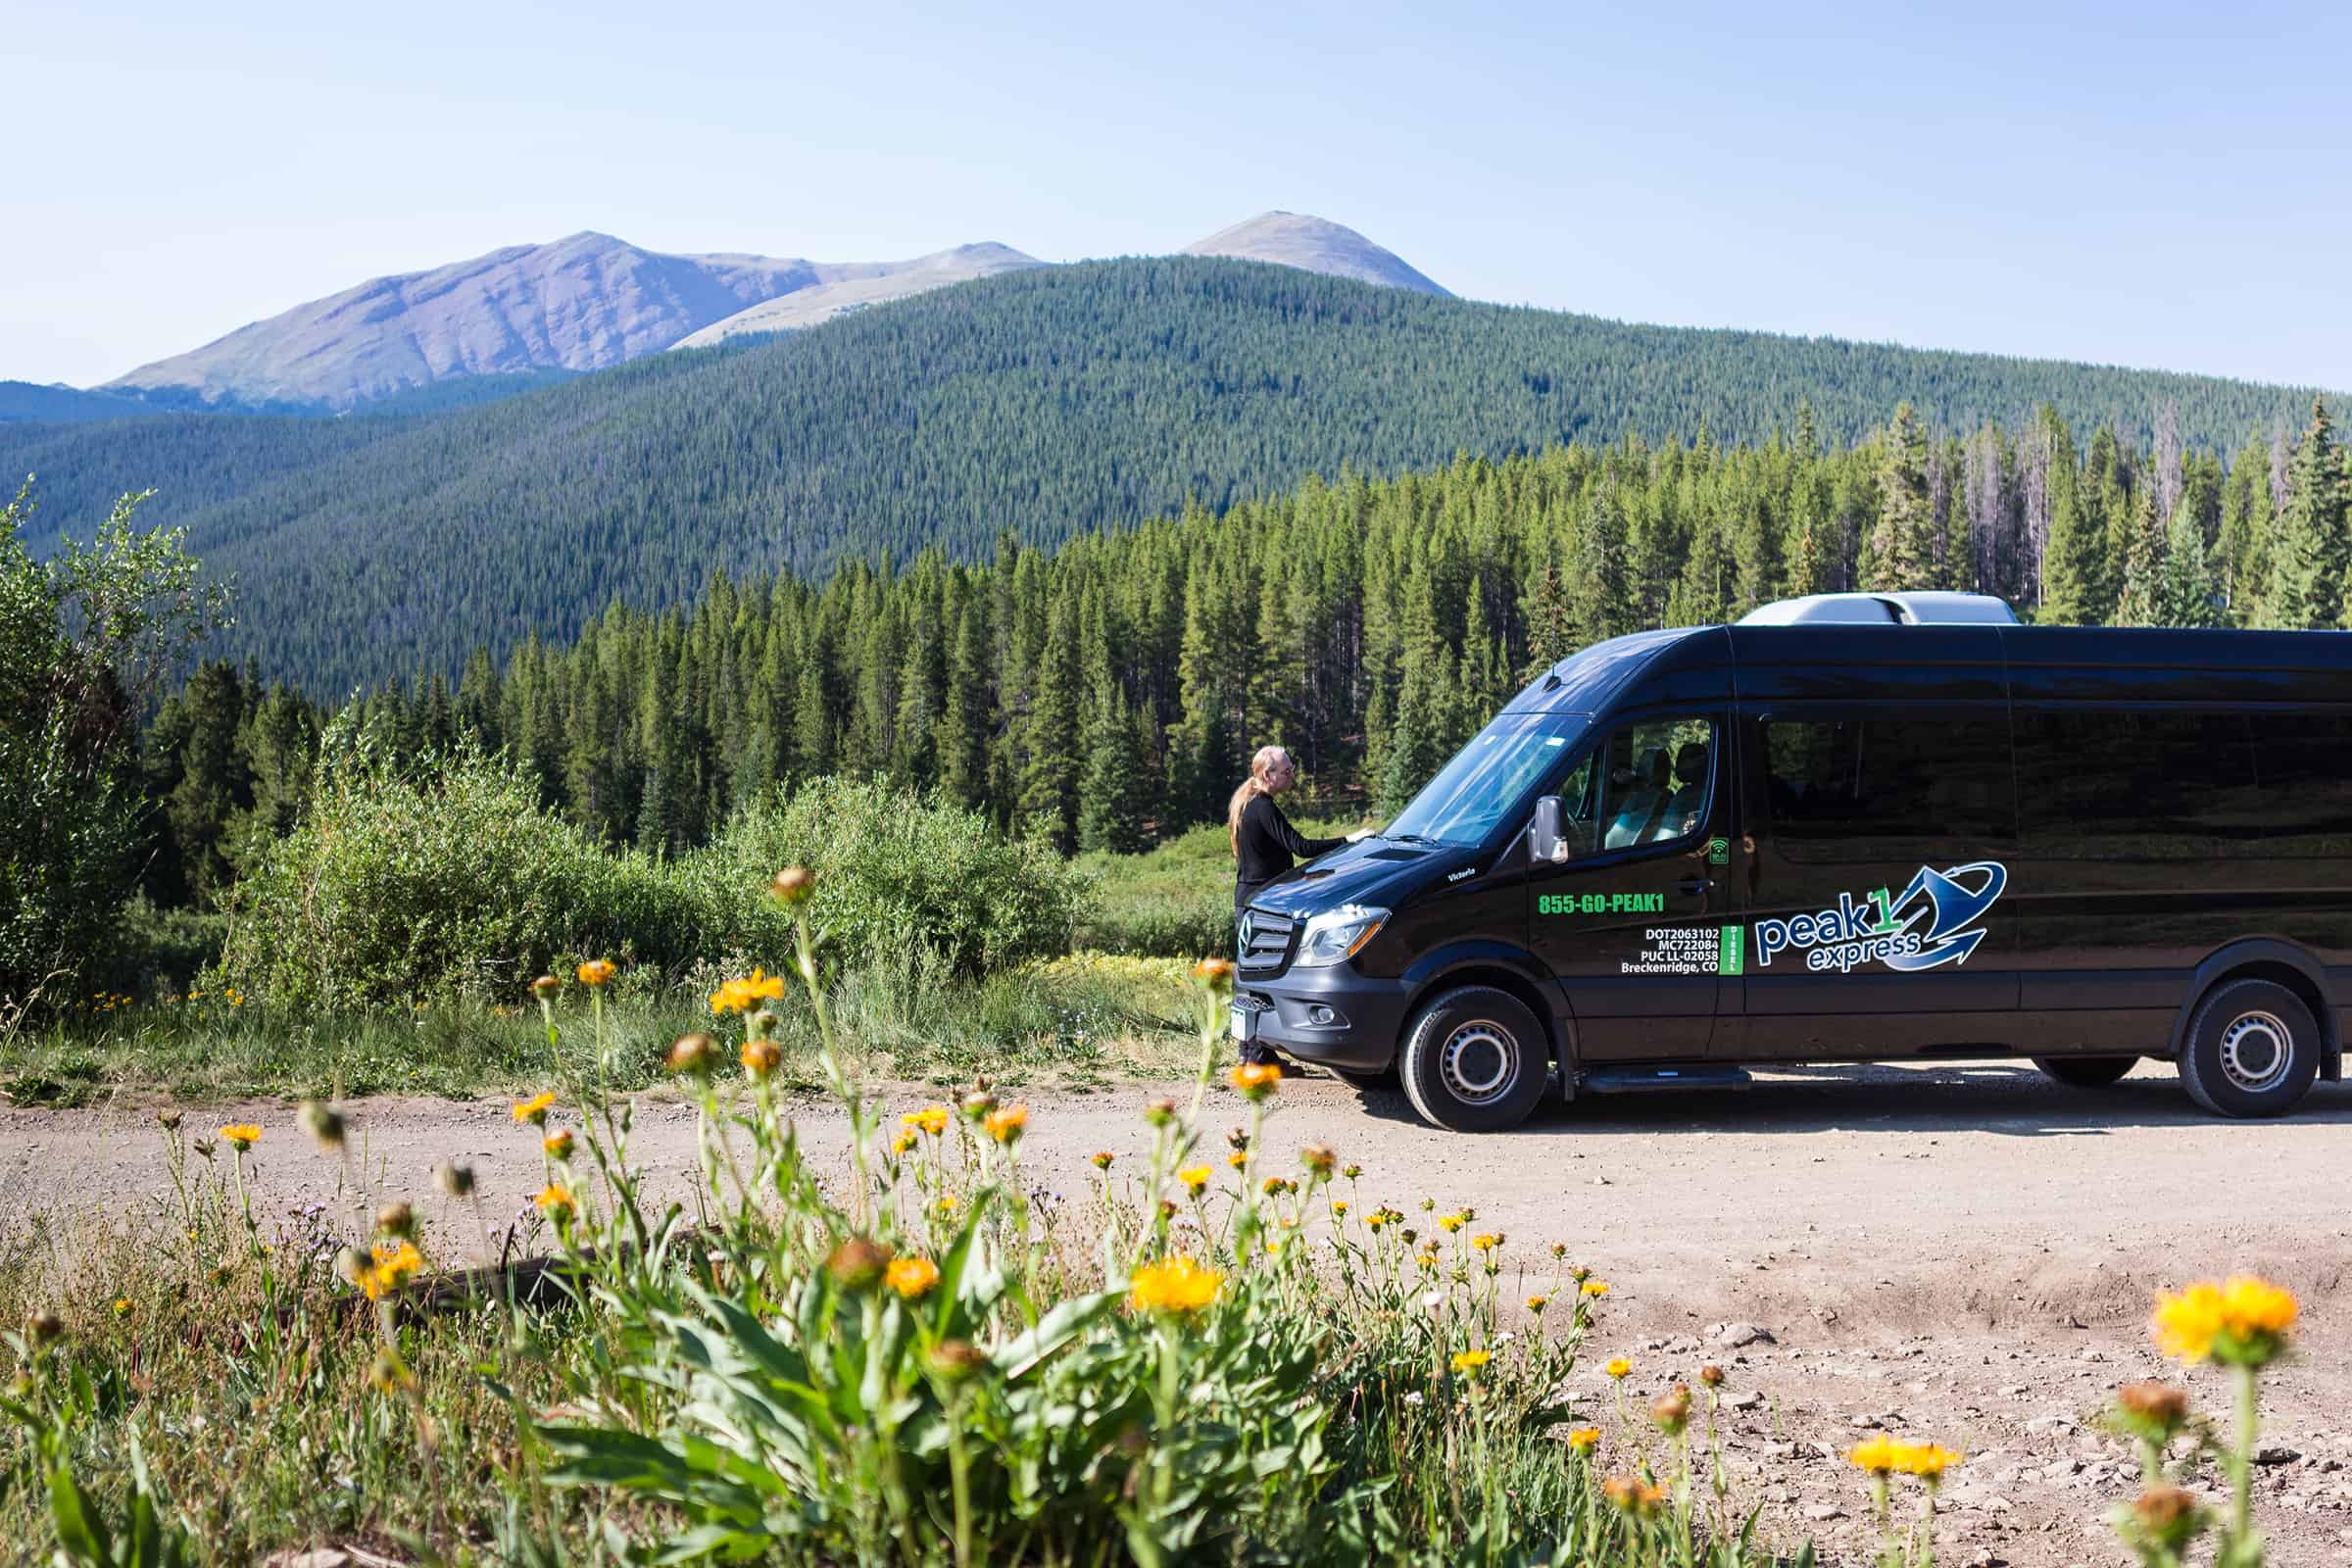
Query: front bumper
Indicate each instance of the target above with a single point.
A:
(1334, 1017)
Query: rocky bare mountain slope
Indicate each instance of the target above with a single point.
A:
(582, 303)
(1317, 244)
(821, 301)
(589, 302)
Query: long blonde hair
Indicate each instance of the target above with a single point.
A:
(1262, 766)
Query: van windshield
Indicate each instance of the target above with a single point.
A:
(1489, 777)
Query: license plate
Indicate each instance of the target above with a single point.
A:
(1243, 1019)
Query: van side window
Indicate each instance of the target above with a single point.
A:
(2105, 783)
(2303, 762)
(1871, 787)
(1651, 786)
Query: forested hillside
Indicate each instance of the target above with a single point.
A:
(1114, 687)
(1045, 405)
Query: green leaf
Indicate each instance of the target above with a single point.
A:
(1065, 1322)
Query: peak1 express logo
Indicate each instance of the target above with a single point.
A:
(1933, 921)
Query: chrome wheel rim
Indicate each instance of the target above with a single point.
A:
(2257, 1050)
(1477, 1062)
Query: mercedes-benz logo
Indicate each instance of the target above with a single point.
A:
(1248, 929)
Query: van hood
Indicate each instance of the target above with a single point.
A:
(1374, 870)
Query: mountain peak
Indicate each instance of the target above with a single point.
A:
(1315, 244)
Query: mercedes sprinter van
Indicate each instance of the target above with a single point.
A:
(1850, 827)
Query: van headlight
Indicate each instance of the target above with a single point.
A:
(1336, 935)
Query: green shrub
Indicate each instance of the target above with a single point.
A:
(896, 872)
(452, 879)
(445, 879)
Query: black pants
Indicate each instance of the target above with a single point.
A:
(1251, 1051)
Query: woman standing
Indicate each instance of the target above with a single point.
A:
(1264, 843)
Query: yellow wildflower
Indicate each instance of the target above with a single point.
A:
(558, 1144)
(1583, 1439)
(1486, 1244)
(1214, 974)
(1257, 1079)
(1338, 1210)
(1536, 1303)
(1632, 1493)
(1594, 1289)
(741, 996)
(1005, 1125)
(2241, 1322)
(1877, 1454)
(1238, 1160)
(534, 1109)
(932, 1119)
(1925, 1460)
(397, 1261)
(240, 1136)
(1174, 1285)
(902, 1144)
(1194, 1177)
(596, 971)
(1449, 1223)
(1619, 1368)
(554, 1200)
(911, 1277)
(760, 1056)
(1470, 1362)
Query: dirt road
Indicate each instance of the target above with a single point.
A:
(1964, 1251)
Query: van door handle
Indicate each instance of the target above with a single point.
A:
(1691, 887)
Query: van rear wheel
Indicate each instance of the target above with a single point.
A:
(2086, 1073)
(2252, 1049)
(1474, 1060)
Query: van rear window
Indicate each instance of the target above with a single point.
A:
(2159, 784)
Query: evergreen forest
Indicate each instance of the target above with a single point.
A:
(1052, 406)
(1109, 692)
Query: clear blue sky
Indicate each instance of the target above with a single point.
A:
(2150, 185)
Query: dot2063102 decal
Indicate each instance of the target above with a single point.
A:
(1934, 921)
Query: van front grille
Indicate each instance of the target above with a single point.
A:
(1265, 944)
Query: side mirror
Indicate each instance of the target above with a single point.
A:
(1544, 838)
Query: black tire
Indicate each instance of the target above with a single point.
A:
(1474, 1060)
(2086, 1073)
(2232, 1061)
(1385, 1078)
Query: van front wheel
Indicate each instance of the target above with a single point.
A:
(2251, 1049)
(1474, 1060)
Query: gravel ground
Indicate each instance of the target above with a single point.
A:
(1961, 1252)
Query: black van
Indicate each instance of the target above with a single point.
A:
(1850, 827)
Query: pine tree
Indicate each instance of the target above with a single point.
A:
(2138, 604)
(1551, 626)
(1901, 544)
(2185, 591)
(1050, 738)
(1112, 793)
(2072, 562)
(2307, 562)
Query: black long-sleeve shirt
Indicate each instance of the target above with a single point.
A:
(1268, 847)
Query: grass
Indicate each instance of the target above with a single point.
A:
(1176, 899)
(1086, 1019)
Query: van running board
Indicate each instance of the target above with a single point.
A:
(1661, 1080)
